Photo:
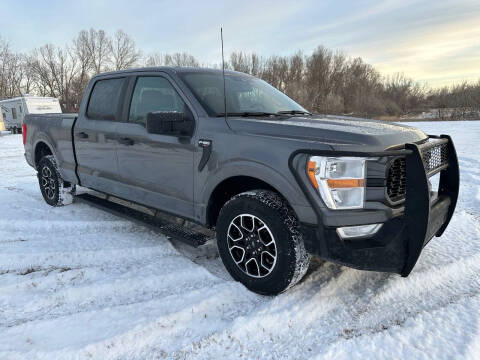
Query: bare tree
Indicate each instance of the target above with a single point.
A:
(317, 79)
(323, 81)
(98, 46)
(123, 51)
(56, 70)
(4, 66)
(27, 76)
(81, 48)
(176, 59)
(13, 75)
(249, 63)
(240, 62)
(10, 71)
(82, 53)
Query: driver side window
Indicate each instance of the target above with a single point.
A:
(153, 94)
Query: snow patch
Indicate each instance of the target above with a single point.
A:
(79, 283)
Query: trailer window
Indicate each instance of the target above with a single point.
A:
(104, 99)
(14, 113)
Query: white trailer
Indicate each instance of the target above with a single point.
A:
(2, 125)
(14, 110)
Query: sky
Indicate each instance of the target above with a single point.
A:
(436, 42)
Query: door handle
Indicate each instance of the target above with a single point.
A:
(126, 141)
(82, 135)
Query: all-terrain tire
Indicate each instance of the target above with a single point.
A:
(261, 215)
(55, 191)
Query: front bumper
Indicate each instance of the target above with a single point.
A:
(406, 229)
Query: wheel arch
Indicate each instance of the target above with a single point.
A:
(41, 149)
(233, 185)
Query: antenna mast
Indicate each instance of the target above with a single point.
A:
(223, 74)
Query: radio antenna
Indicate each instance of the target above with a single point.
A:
(223, 75)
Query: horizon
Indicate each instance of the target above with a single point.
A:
(433, 43)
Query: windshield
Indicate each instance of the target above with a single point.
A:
(245, 94)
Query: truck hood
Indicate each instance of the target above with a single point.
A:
(336, 131)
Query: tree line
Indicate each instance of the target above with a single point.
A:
(325, 81)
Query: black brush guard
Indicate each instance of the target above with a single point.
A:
(425, 216)
(397, 246)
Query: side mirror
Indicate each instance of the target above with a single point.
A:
(170, 123)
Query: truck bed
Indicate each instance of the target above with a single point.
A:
(55, 129)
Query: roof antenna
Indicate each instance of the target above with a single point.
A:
(223, 74)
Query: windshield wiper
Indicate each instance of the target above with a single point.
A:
(294, 112)
(249, 113)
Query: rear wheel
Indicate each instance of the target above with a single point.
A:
(259, 242)
(55, 191)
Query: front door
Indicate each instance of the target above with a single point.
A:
(95, 136)
(156, 169)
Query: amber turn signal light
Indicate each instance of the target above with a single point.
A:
(311, 173)
(345, 183)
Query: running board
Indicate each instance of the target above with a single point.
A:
(154, 222)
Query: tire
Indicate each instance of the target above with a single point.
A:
(55, 191)
(246, 226)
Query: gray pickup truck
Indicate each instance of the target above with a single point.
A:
(275, 182)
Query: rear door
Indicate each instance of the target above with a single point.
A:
(157, 170)
(95, 136)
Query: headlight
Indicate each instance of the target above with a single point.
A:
(340, 181)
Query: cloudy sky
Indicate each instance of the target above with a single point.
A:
(433, 41)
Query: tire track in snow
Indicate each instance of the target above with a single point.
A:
(121, 291)
(20, 262)
(156, 321)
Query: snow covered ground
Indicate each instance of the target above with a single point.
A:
(79, 283)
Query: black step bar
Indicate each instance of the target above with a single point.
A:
(167, 228)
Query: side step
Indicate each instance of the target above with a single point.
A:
(167, 228)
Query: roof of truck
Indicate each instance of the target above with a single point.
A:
(170, 69)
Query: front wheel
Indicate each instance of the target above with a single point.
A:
(259, 242)
(55, 191)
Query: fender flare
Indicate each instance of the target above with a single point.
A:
(42, 138)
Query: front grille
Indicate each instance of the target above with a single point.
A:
(397, 180)
(434, 157)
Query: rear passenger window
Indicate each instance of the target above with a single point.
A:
(104, 99)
